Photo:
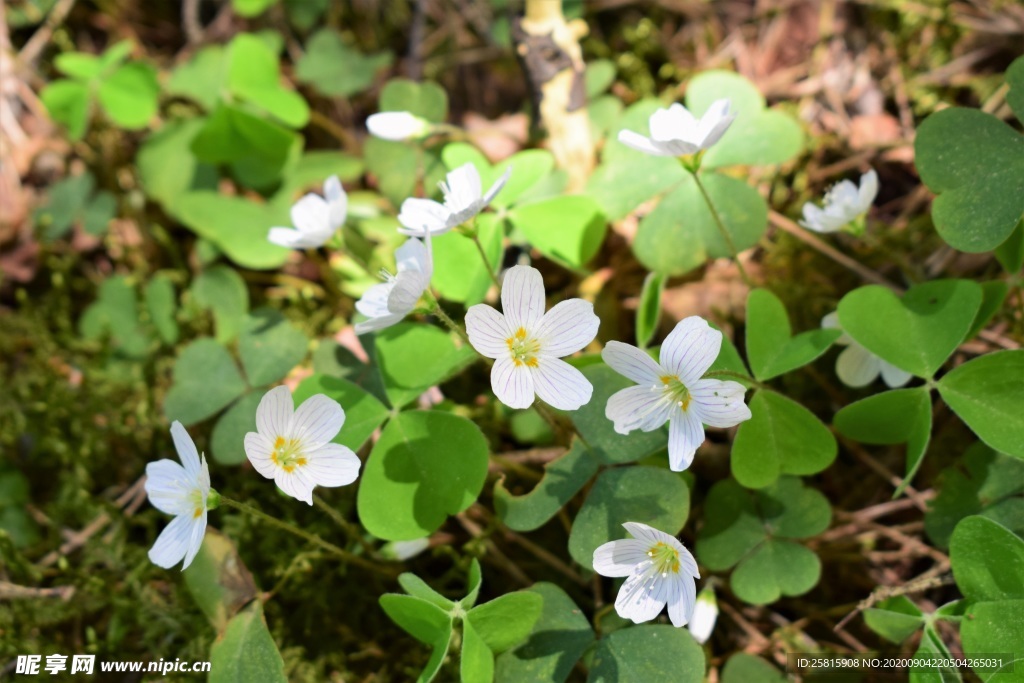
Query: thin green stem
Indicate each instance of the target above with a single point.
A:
(312, 538)
(350, 529)
(435, 308)
(556, 424)
(721, 228)
(483, 255)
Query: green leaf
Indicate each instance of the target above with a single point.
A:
(68, 104)
(399, 167)
(598, 77)
(648, 312)
(206, 380)
(363, 413)
(412, 481)
(222, 290)
(901, 415)
(608, 445)
(975, 163)
(115, 314)
(993, 294)
(309, 173)
(771, 347)
(78, 65)
(929, 650)
(237, 226)
(774, 569)
(417, 587)
(167, 167)
(477, 662)
(983, 483)
(996, 627)
(757, 137)
(620, 186)
(254, 76)
(426, 100)
(1011, 252)
(649, 495)
(203, 78)
(507, 620)
(744, 668)
(421, 619)
(251, 8)
(568, 229)
(529, 168)
(270, 347)
(65, 204)
(558, 639)
(987, 394)
(683, 219)
(218, 580)
(987, 560)
(161, 304)
(335, 69)
(98, 213)
(474, 580)
(1015, 79)
(246, 652)
(130, 94)
(640, 654)
(781, 437)
(895, 619)
(258, 151)
(459, 272)
(226, 441)
(563, 479)
(400, 353)
(916, 333)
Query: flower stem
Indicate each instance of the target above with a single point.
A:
(721, 228)
(346, 526)
(312, 538)
(556, 424)
(483, 255)
(435, 308)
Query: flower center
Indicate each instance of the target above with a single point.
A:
(288, 454)
(675, 391)
(665, 558)
(523, 348)
(195, 498)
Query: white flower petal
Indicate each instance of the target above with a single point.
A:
(204, 479)
(522, 297)
(169, 487)
(396, 125)
(413, 256)
(685, 435)
(674, 123)
(714, 123)
(559, 384)
(462, 191)
(195, 539)
(682, 599)
(291, 239)
(173, 542)
(488, 331)
(568, 327)
(337, 202)
(619, 558)
(690, 349)
(378, 323)
(641, 143)
(642, 596)
(332, 465)
(632, 362)
(831, 322)
(893, 376)
(317, 421)
(375, 300)
(419, 215)
(637, 407)
(186, 449)
(409, 287)
(511, 384)
(311, 214)
(705, 614)
(274, 413)
(719, 404)
(260, 449)
(295, 484)
(497, 186)
(857, 367)
(868, 190)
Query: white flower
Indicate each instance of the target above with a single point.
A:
(844, 203)
(397, 125)
(293, 447)
(387, 303)
(315, 218)
(705, 614)
(182, 492)
(676, 132)
(463, 199)
(404, 550)
(660, 569)
(673, 390)
(527, 343)
(858, 367)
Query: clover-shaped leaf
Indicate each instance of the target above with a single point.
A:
(238, 226)
(983, 483)
(758, 136)
(206, 380)
(270, 347)
(71, 201)
(115, 314)
(771, 348)
(917, 332)
(335, 68)
(425, 466)
(975, 163)
(987, 560)
(750, 531)
(568, 229)
(649, 495)
(987, 393)
(646, 653)
(781, 437)
(899, 416)
(400, 351)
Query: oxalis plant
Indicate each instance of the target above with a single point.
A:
(453, 273)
